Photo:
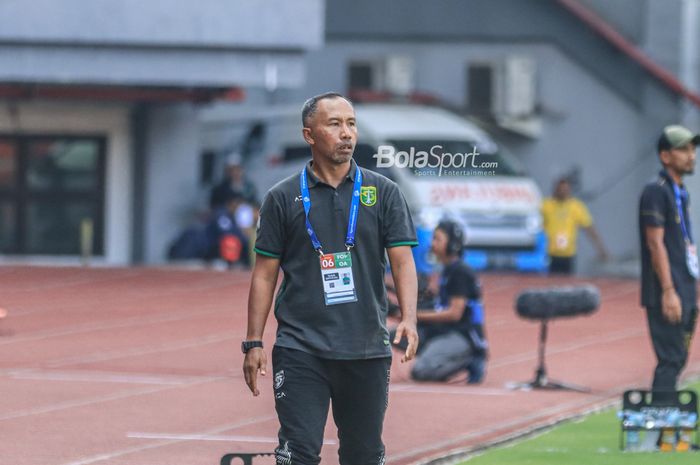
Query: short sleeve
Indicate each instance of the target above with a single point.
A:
(270, 231)
(652, 206)
(463, 283)
(583, 216)
(397, 223)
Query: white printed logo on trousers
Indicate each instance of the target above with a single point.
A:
(283, 456)
(279, 379)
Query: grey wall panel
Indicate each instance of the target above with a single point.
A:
(202, 23)
(478, 21)
(627, 16)
(67, 65)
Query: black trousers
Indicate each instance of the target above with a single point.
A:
(561, 265)
(671, 344)
(305, 385)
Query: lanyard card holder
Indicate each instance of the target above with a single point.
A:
(338, 283)
(336, 268)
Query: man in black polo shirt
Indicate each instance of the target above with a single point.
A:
(328, 228)
(669, 258)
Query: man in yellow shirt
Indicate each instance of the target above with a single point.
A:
(563, 215)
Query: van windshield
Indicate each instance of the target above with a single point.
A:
(451, 158)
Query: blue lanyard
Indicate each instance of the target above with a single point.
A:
(679, 205)
(354, 210)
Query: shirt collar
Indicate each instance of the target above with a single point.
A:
(561, 201)
(664, 174)
(313, 180)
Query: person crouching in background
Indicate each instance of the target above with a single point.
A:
(452, 332)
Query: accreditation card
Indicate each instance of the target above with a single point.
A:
(338, 283)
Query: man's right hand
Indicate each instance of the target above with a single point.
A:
(407, 329)
(671, 305)
(255, 360)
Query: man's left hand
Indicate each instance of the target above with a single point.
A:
(408, 330)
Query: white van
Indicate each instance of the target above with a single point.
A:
(483, 188)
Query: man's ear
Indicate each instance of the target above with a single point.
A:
(665, 157)
(306, 132)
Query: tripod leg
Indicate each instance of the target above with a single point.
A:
(541, 380)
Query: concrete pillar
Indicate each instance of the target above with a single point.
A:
(172, 170)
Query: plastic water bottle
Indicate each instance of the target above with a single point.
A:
(650, 440)
(685, 439)
(632, 442)
(685, 432)
(668, 440)
(631, 421)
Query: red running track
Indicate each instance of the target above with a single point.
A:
(143, 367)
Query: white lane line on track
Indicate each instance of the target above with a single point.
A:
(214, 437)
(135, 378)
(42, 286)
(457, 390)
(138, 351)
(130, 274)
(135, 296)
(167, 442)
(118, 324)
(98, 399)
(590, 341)
(106, 377)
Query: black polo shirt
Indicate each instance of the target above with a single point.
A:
(355, 330)
(657, 207)
(458, 280)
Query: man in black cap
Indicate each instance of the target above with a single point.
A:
(669, 257)
(330, 227)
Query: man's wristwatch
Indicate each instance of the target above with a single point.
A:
(247, 345)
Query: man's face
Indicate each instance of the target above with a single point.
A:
(234, 172)
(563, 190)
(331, 130)
(681, 159)
(439, 243)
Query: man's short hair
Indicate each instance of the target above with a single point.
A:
(311, 105)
